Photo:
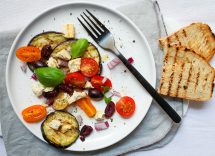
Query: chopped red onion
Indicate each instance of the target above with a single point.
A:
(113, 63)
(104, 80)
(62, 63)
(101, 126)
(34, 77)
(24, 67)
(115, 93)
(130, 60)
(79, 119)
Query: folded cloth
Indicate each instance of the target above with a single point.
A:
(154, 131)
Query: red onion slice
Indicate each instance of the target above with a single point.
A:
(62, 63)
(34, 77)
(79, 119)
(101, 126)
(113, 63)
(24, 67)
(130, 60)
(115, 93)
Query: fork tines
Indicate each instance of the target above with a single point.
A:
(94, 27)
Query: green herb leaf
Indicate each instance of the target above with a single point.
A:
(107, 99)
(78, 48)
(106, 89)
(49, 77)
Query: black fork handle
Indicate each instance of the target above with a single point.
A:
(164, 105)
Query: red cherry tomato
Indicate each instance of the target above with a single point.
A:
(34, 113)
(76, 79)
(125, 106)
(89, 67)
(97, 83)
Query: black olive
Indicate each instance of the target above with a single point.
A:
(51, 94)
(95, 94)
(46, 52)
(38, 64)
(109, 110)
(66, 88)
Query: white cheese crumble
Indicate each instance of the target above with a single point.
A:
(99, 115)
(55, 124)
(37, 88)
(74, 65)
(52, 62)
(69, 30)
(88, 85)
(48, 89)
(63, 54)
(76, 96)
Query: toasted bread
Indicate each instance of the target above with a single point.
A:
(186, 75)
(197, 37)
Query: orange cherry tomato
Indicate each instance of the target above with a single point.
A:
(28, 54)
(89, 67)
(76, 79)
(34, 113)
(125, 106)
(97, 83)
(86, 105)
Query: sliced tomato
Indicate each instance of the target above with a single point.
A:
(89, 67)
(28, 54)
(34, 113)
(97, 83)
(76, 79)
(125, 106)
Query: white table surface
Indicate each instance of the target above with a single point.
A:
(196, 136)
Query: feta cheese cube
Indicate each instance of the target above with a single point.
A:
(76, 96)
(48, 89)
(63, 54)
(52, 62)
(37, 88)
(99, 115)
(88, 85)
(55, 124)
(74, 65)
(69, 31)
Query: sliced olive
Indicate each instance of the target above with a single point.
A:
(95, 94)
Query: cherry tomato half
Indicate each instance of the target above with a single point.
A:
(89, 67)
(28, 54)
(34, 113)
(76, 79)
(125, 106)
(97, 83)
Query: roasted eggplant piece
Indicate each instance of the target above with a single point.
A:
(60, 102)
(47, 38)
(91, 52)
(65, 134)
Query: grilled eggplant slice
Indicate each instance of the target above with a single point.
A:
(91, 52)
(67, 133)
(51, 38)
(47, 38)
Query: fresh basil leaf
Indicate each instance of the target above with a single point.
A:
(78, 48)
(49, 77)
(106, 89)
(107, 99)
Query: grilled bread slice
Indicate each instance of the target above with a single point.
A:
(186, 75)
(197, 37)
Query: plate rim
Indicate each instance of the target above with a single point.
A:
(114, 10)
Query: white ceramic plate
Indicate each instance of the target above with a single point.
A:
(129, 40)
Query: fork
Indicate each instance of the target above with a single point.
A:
(103, 37)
